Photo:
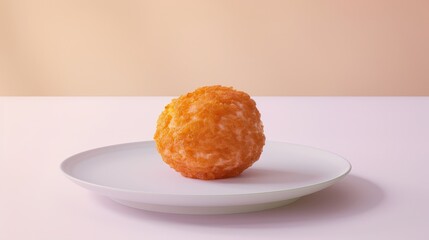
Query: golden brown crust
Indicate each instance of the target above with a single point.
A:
(213, 132)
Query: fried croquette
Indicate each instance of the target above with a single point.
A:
(214, 132)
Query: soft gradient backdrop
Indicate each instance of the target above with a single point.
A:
(298, 47)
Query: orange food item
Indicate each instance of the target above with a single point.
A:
(211, 133)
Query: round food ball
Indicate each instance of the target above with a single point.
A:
(211, 133)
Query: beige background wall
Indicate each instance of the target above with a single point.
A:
(96, 47)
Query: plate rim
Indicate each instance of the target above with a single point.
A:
(74, 157)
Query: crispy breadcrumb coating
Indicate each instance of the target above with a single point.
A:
(211, 133)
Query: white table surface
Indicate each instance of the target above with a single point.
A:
(386, 196)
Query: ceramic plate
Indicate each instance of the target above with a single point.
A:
(134, 174)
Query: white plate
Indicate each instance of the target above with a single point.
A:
(134, 174)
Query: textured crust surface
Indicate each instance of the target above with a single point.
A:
(213, 132)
